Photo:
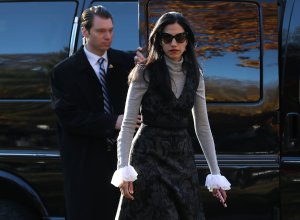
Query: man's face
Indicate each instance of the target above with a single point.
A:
(99, 38)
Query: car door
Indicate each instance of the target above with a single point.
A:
(237, 46)
(290, 105)
(34, 37)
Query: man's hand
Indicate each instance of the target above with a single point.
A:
(119, 122)
(138, 121)
(139, 57)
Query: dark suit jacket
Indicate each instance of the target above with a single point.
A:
(83, 127)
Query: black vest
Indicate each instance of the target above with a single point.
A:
(157, 111)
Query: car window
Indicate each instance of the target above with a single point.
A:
(228, 45)
(295, 38)
(291, 49)
(125, 17)
(34, 36)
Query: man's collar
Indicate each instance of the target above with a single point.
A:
(93, 58)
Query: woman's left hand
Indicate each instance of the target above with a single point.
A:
(221, 195)
(126, 189)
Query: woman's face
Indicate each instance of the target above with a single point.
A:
(174, 41)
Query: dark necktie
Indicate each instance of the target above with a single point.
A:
(102, 77)
(106, 101)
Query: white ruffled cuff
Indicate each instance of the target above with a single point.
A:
(216, 182)
(126, 173)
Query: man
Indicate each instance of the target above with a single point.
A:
(89, 95)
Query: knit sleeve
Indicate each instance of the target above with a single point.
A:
(202, 129)
(136, 91)
(204, 135)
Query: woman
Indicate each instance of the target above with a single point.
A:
(167, 87)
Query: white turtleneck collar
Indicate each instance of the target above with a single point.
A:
(174, 66)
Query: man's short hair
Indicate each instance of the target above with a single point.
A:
(89, 13)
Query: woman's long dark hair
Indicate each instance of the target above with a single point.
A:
(155, 62)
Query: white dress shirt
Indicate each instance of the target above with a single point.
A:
(93, 60)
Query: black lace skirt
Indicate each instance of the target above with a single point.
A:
(167, 187)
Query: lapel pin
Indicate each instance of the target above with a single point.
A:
(110, 66)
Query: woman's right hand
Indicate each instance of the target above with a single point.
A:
(126, 189)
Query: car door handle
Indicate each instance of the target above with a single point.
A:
(292, 130)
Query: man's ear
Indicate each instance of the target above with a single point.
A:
(84, 32)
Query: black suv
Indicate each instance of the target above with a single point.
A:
(250, 53)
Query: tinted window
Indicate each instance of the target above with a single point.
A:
(294, 28)
(294, 37)
(228, 45)
(125, 16)
(34, 36)
(292, 64)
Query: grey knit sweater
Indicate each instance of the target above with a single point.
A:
(135, 94)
